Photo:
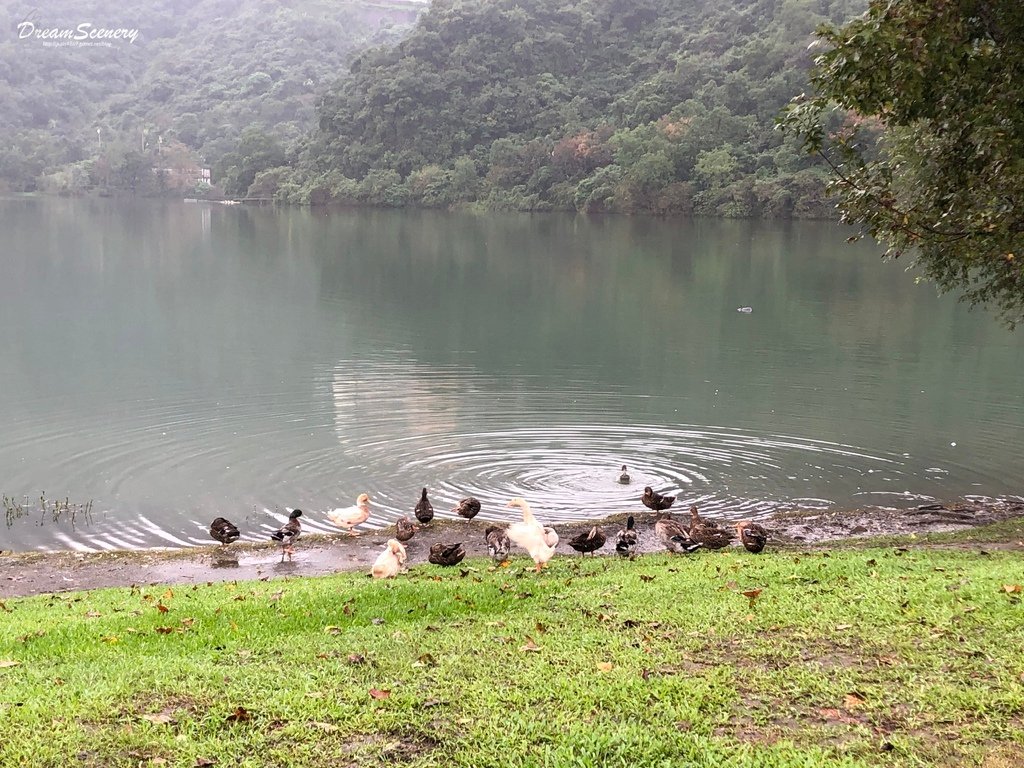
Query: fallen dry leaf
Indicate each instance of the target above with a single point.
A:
(276, 596)
(111, 639)
(425, 660)
(204, 762)
(377, 693)
(328, 727)
(356, 658)
(752, 595)
(837, 715)
(163, 630)
(240, 715)
(6, 663)
(1011, 589)
(162, 608)
(645, 577)
(854, 700)
(541, 628)
(168, 594)
(160, 718)
(92, 614)
(605, 666)
(843, 627)
(332, 630)
(531, 645)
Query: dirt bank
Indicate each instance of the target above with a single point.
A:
(37, 573)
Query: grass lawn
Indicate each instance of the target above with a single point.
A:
(854, 657)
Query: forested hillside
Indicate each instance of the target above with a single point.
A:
(224, 83)
(599, 105)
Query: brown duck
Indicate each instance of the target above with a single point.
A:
(709, 535)
(752, 535)
(288, 534)
(424, 510)
(404, 528)
(675, 537)
(628, 539)
(468, 508)
(498, 543)
(446, 554)
(224, 531)
(654, 500)
(590, 541)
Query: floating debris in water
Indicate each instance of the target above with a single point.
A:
(745, 309)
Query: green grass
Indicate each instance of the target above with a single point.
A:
(845, 658)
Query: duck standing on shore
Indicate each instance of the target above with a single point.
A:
(675, 537)
(590, 541)
(404, 528)
(752, 535)
(654, 500)
(288, 534)
(708, 533)
(468, 507)
(446, 554)
(424, 510)
(628, 539)
(224, 531)
(498, 543)
(350, 517)
(538, 540)
(390, 562)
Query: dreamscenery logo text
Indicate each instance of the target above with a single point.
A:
(85, 33)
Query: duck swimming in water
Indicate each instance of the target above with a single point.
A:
(624, 476)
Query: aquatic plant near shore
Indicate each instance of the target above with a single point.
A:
(56, 509)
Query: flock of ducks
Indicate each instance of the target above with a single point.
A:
(539, 541)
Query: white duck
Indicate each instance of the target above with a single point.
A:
(390, 561)
(350, 517)
(535, 538)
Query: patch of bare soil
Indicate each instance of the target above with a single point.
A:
(42, 573)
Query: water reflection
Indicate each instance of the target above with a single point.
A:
(178, 362)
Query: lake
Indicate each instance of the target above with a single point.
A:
(171, 362)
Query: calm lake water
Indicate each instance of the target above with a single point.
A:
(174, 362)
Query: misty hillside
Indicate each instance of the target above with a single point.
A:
(198, 75)
(618, 105)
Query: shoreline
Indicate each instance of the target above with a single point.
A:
(24, 574)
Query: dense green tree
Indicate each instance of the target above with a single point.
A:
(919, 109)
(599, 105)
(199, 73)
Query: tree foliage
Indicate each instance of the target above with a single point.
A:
(598, 105)
(198, 76)
(919, 108)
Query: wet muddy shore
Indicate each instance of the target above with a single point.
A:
(23, 574)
